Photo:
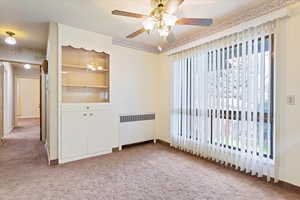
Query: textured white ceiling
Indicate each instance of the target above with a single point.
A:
(29, 18)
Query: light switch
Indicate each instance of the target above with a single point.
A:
(291, 100)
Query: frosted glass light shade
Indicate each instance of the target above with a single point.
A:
(10, 40)
(170, 20)
(149, 24)
(164, 32)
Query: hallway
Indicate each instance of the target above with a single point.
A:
(22, 145)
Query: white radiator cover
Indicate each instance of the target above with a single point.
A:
(138, 128)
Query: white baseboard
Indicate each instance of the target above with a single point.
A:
(65, 160)
(9, 131)
(46, 148)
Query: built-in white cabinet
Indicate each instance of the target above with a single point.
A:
(86, 131)
(73, 136)
(86, 120)
(99, 138)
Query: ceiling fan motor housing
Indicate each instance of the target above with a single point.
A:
(158, 3)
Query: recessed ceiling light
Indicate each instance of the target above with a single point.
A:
(159, 48)
(10, 38)
(27, 66)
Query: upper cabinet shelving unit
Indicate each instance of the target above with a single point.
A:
(85, 76)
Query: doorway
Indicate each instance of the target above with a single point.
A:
(20, 95)
(27, 99)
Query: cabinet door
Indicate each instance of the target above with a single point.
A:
(73, 140)
(99, 131)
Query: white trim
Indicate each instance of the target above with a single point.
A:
(47, 152)
(65, 160)
(280, 33)
(9, 131)
(136, 46)
(59, 90)
(241, 27)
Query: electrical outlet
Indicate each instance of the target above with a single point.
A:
(291, 100)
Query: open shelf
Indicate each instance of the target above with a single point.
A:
(90, 86)
(82, 81)
(83, 67)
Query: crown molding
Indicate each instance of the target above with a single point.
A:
(135, 45)
(228, 21)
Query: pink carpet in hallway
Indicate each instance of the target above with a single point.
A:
(145, 172)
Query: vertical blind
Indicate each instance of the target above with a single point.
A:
(222, 101)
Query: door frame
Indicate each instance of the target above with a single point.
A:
(2, 100)
(43, 101)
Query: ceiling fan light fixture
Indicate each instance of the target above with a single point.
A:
(162, 19)
(170, 20)
(149, 24)
(10, 38)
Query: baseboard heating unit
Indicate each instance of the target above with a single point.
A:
(136, 128)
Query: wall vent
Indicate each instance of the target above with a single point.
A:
(135, 118)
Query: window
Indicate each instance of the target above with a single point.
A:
(223, 99)
(233, 89)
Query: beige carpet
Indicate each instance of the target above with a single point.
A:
(146, 172)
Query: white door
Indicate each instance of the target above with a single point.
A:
(28, 98)
(73, 136)
(99, 131)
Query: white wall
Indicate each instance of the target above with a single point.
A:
(288, 83)
(134, 82)
(164, 74)
(8, 98)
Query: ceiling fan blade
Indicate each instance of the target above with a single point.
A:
(171, 38)
(195, 21)
(172, 6)
(138, 32)
(127, 14)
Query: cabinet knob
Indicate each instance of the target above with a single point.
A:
(84, 114)
(87, 107)
(91, 114)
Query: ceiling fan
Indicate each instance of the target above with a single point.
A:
(163, 18)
